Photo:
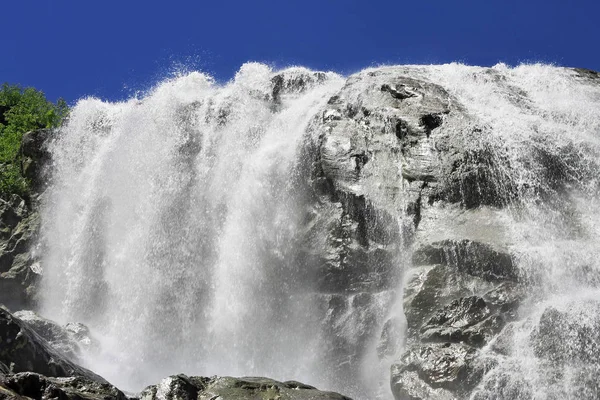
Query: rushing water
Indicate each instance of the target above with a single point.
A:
(172, 221)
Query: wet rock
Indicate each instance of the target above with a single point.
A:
(509, 383)
(477, 178)
(35, 386)
(391, 338)
(69, 340)
(409, 386)
(448, 366)
(467, 319)
(228, 388)
(23, 350)
(474, 258)
(19, 267)
(294, 80)
(571, 335)
(399, 92)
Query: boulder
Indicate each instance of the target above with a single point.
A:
(182, 387)
(448, 366)
(467, 319)
(35, 386)
(474, 258)
(69, 340)
(23, 350)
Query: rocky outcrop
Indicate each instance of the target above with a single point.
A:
(228, 388)
(391, 152)
(454, 306)
(69, 340)
(23, 350)
(29, 385)
(20, 269)
(19, 265)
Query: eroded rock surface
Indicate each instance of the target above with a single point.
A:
(23, 350)
(182, 387)
(29, 385)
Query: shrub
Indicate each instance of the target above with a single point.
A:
(22, 110)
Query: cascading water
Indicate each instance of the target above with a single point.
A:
(176, 226)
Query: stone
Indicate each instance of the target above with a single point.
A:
(19, 267)
(448, 366)
(35, 386)
(23, 350)
(69, 340)
(182, 387)
(467, 319)
(474, 258)
(570, 335)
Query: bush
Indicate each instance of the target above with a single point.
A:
(22, 110)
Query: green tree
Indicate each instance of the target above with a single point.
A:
(22, 110)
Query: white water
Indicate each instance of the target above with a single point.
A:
(171, 233)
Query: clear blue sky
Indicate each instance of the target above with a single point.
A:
(110, 48)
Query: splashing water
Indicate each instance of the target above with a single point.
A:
(172, 222)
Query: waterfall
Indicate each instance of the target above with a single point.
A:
(176, 225)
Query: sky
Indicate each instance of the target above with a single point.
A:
(113, 49)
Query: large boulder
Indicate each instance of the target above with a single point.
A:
(182, 387)
(23, 350)
(69, 340)
(451, 367)
(29, 385)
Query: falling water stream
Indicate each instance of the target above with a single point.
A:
(172, 221)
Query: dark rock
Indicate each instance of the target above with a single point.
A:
(467, 319)
(478, 178)
(228, 388)
(35, 386)
(19, 269)
(474, 258)
(294, 81)
(23, 350)
(448, 366)
(587, 73)
(68, 340)
(399, 92)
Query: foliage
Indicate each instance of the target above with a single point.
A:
(22, 110)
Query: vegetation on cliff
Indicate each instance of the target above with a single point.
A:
(22, 110)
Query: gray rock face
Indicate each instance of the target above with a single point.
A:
(35, 386)
(391, 141)
(19, 266)
(182, 387)
(23, 350)
(69, 340)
